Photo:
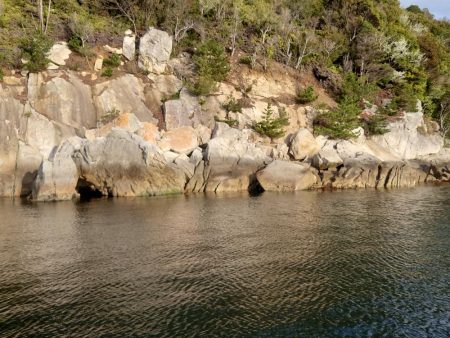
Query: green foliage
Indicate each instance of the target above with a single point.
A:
(306, 95)
(75, 44)
(1, 75)
(34, 49)
(212, 66)
(355, 89)
(375, 124)
(338, 123)
(246, 60)
(113, 61)
(405, 97)
(271, 126)
(233, 105)
(203, 85)
(229, 121)
(107, 72)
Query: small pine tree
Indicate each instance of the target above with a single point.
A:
(306, 95)
(338, 123)
(212, 66)
(272, 126)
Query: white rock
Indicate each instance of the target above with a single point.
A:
(98, 65)
(155, 48)
(129, 46)
(58, 55)
(303, 145)
(113, 50)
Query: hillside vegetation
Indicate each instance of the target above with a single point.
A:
(366, 53)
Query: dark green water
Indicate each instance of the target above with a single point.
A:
(352, 263)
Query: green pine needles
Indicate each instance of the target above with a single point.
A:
(271, 126)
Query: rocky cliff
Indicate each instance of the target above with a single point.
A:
(65, 133)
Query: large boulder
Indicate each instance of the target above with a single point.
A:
(57, 178)
(287, 176)
(232, 160)
(155, 48)
(408, 138)
(303, 145)
(63, 98)
(123, 164)
(124, 94)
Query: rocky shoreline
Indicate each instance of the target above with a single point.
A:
(64, 133)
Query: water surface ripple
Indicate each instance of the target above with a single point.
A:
(310, 264)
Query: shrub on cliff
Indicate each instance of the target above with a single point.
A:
(271, 126)
(34, 49)
(339, 122)
(306, 95)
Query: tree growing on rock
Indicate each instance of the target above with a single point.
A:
(270, 125)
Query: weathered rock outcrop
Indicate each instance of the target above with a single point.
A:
(155, 49)
(125, 94)
(232, 160)
(58, 175)
(123, 164)
(287, 176)
(409, 138)
(62, 97)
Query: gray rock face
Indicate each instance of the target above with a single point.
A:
(58, 176)
(12, 126)
(303, 145)
(287, 176)
(125, 94)
(129, 45)
(155, 49)
(408, 138)
(43, 134)
(122, 164)
(232, 160)
(184, 112)
(27, 164)
(64, 99)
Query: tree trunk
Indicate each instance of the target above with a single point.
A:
(41, 14)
